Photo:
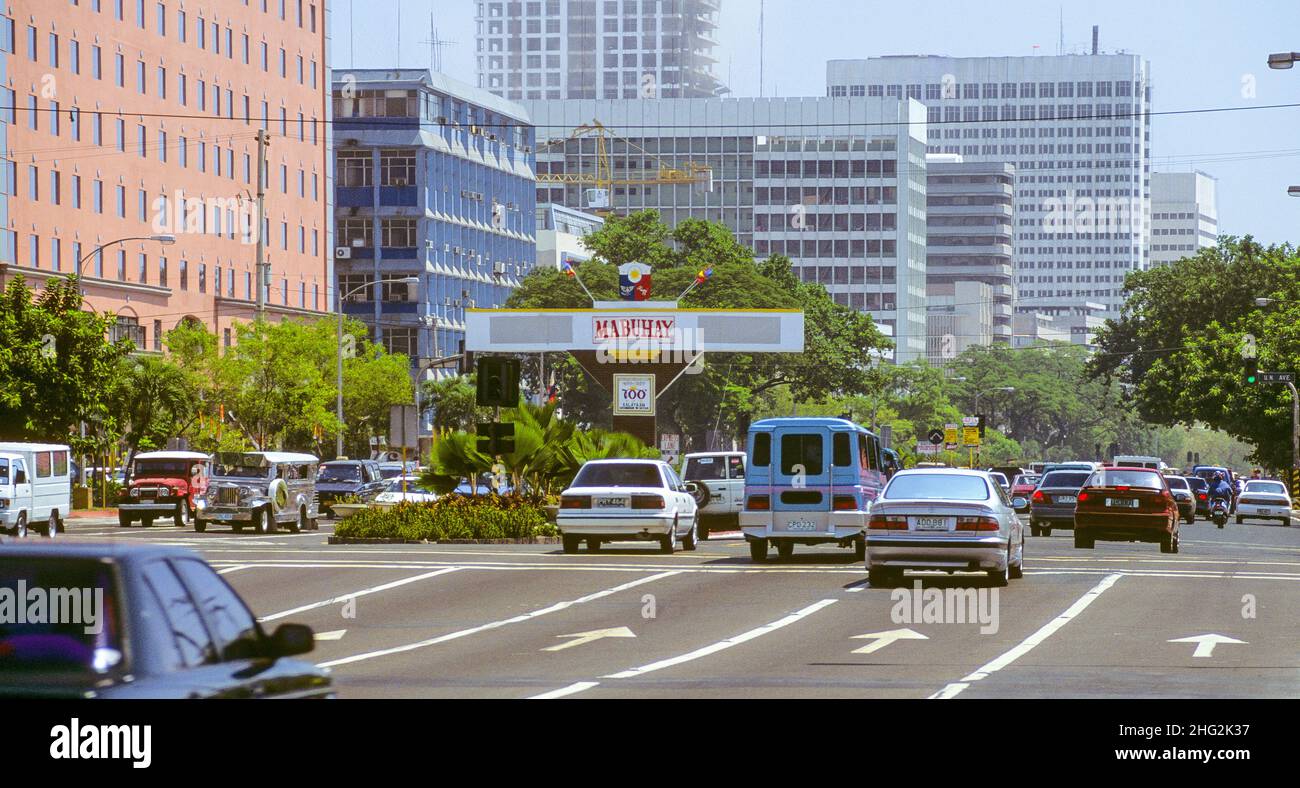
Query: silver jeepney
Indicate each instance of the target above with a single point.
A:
(262, 490)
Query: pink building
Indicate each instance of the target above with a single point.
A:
(139, 119)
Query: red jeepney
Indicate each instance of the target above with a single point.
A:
(164, 484)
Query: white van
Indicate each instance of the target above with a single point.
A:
(35, 487)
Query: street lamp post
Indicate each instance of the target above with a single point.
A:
(166, 240)
(410, 280)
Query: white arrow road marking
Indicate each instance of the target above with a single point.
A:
(499, 623)
(1028, 644)
(1205, 643)
(334, 634)
(885, 638)
(593, 635)
(363, 592)
(743, 637)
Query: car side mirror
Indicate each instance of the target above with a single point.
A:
(292, 639)
(1020, 504)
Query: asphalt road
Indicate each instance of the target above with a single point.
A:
(522, 621)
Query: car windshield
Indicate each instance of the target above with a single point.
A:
(1064, 479)
(339, 473)
(243, 471)
(80, 633)
(1271, 488)
(1176, 482)
(1148, 480)
(390, 472)
(412, 486)
(706, 468)
(147, 468)
(938, 486)
(610, 474)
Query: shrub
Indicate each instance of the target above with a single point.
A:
(451, 517)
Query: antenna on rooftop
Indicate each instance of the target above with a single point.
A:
(436, 45)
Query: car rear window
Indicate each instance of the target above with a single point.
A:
(938, 486)
(706, 468)
(1197, 483)
(1176, 482)
(340, 473)
(1145, 479)
(1271, 488)
(76, 595)
(800, 448)
(1064, 479)
(608, 474)
(1025, 478)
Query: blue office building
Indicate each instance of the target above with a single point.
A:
(434, 179)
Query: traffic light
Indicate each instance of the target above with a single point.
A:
(1252, 371)
(494, 439)
(466, 365)
(498, 382)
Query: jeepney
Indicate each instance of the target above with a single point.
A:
(261, 490)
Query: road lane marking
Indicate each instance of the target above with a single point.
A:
(583, 638)
(363, 592)
(1028, 644)
(558, 606)
(1205, 643)
(883, 639)
(230, 569)
(334, 634)
(572, 689)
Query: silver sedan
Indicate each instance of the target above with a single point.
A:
(949, 519)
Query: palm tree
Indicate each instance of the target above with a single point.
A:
(455, 456)
(154, 398)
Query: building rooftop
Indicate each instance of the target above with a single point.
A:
(433, 80)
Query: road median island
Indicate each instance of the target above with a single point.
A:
(452, 519)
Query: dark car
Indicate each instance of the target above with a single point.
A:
(1184, 497)
(165, 626)
(1126, 505)
(1201, 494)
(1207, 472)
(1052, 504)
(343, 479)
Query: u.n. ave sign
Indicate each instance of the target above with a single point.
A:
(663, 329)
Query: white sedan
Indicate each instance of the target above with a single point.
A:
(950, 519)
(393, 493)
(1264, 500)
(625, 500)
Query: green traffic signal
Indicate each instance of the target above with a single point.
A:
(1252, 371)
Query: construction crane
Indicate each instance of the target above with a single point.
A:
(602, 180)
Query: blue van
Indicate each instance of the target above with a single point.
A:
(810, 480)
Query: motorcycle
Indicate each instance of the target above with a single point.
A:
(1219, 512)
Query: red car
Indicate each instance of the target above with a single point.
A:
(1121, 504)
(163, 484)
(1024, 484)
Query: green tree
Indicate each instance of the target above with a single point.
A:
(155, 400)
(55, 364)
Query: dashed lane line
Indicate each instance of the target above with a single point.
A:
(558, 606)
(363, 592)
(1029, 643)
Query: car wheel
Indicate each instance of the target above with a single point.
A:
(1175, 543)
(1238, 519)
(570, 543)
(52, 527)
(688, 541)
(1001, 577)
(701, 528)
(666, 542)
(758, 550)
(1017, 571)
(785, 549)
(182, 515)
(1083, 542)
(146, 522)
(1046, 531)
(20, 526)
(298, 525)
(261, 521)
(882, 577)
(1035, 530)
(860, 548)
(1166, 543)
(200, 525)
(123, 520)
(593, 544)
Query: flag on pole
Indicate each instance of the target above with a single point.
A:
(704, 275)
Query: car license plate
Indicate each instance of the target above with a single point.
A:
(611, 503)
(1124, 503)
(146, 500)
(1065, 498)
(1262, 511)
(931, 524)
(801, 525)
(223, 517)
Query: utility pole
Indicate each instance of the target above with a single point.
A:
(1295, 426)
(263, 276)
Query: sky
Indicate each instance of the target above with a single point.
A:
(1204, 54)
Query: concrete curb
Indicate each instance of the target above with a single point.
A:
(395, 540)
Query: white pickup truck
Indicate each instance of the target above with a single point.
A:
(720, 487)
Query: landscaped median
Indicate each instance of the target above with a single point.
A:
(451, 519)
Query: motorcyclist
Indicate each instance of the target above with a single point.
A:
(1220, 490)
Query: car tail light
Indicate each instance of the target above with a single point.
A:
(1083, 496)
(1122, 487)
(1203, 497)
(888, 522)
(575, 502)
(1041, 497)
(758, 503)
(647, 502)
(977, 524)
(844, 503)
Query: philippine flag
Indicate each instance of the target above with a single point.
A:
(634, 281)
